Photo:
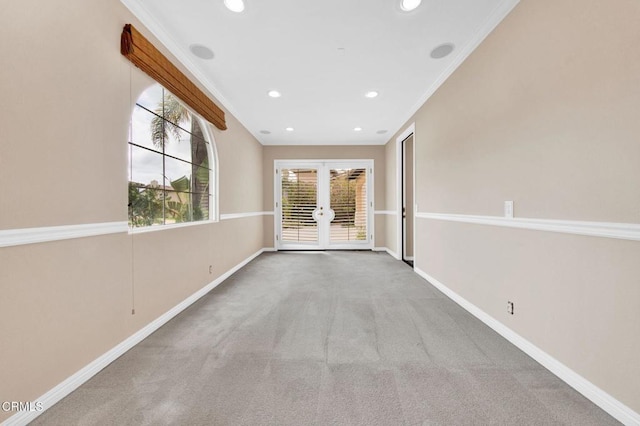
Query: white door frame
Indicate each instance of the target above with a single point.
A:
(323, 168)
(410, 130)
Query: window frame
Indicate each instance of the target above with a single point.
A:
(212, 154)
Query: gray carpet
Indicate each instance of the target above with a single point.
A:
(329, 338)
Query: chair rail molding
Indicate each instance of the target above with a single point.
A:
(228, 216)
(17, 237)
(623, 231)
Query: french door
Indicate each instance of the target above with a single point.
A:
(323, 204)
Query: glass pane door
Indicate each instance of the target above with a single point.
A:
(299, 198)
(323, 204)
(348, 189)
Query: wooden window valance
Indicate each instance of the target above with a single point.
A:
(135, 47)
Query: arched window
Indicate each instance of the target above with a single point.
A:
(170, 163)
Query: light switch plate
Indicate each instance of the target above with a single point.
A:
(508, 209)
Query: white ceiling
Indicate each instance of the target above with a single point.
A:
(323, 56)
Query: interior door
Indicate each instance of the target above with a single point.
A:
(408, 204)
(323, 205)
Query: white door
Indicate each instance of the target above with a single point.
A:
(323, 204)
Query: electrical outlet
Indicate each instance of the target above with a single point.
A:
(510, 308)
(210, 269)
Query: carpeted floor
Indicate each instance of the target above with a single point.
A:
(327, 338)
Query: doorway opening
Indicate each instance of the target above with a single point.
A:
(405, 196)
(408, 209)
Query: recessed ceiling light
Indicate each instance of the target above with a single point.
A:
(274, 93)
(357, 129)
(409, 5)
(201, 51)
(289, 129)
(442, 50)
(234, 5)
(265, 132)
(371, 94)
(381, 132)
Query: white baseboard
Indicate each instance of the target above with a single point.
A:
(392, 253)
(76, 380)
(598, 396)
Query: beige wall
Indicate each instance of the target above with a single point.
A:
(544, 113)
(240, 161)
(68, 96)
(326, 152)
(63, 304)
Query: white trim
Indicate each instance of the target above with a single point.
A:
(214, 169)
(623, 231)
(76, 380)
(277, 199)
(323, 166)
(499, 13)
(408, 131)
(412, 207)
(228, 216)
(388, 250)
(17, 237)
(388, 212)
(598, 396)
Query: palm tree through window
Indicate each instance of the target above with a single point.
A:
(169, 165)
